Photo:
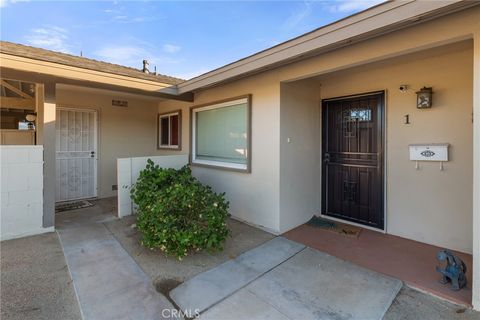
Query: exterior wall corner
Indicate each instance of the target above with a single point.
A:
(476, 172)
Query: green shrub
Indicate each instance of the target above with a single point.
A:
(178, 214)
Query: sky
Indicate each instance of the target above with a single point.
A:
(181, 38)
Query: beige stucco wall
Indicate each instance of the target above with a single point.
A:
(427, 205)
(254, 197)
(300, 133)
(123, 132)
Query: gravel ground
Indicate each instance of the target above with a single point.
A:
(35, 282)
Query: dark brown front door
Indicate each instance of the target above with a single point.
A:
(353, 159)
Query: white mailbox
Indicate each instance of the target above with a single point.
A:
(429, 152)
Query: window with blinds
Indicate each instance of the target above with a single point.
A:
(221, 134)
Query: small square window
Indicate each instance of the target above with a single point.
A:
(169, 130)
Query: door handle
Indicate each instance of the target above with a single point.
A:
(92, 154)
(326, 158)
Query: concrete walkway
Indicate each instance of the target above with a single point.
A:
(210, 287)
(108, 282)
(284, 280)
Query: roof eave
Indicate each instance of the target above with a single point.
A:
(53, 79)
(376, 21)
(61, 70)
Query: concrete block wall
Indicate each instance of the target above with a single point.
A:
(21, 211)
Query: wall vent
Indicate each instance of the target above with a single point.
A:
(120, 103)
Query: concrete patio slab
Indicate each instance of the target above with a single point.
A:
(108, 282)
(243, 305)
(210, 287)
(315, 285)
(312, 285)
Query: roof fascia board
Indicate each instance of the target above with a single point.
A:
(61, 70)
(378, 20)
(35, 77)
(109, 91)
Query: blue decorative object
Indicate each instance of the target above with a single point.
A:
(454, 271)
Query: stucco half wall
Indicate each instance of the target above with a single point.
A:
(283, 190)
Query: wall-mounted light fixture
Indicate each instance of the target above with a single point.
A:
(31, 117)
(31, 88)
(424, 98)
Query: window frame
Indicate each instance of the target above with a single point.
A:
(169, 114)
(245, 168)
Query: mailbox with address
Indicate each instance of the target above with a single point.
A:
(429, 152)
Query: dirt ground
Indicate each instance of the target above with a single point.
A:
(411, 304)
(164, 269)
(35, 282)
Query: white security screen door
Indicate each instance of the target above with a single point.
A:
(76, 154)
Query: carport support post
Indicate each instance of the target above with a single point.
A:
(46, 113)
(476, 172)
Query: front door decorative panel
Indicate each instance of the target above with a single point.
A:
(352, 172)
